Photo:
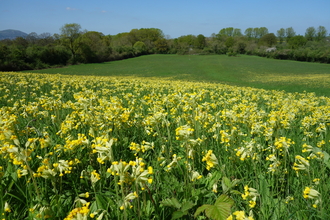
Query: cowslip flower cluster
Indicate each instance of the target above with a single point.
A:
(240, 215)
(80, 213)
(210, 159)
(131, 172)
(183, 132)
(300, 164)
(310, 193)
(250, 194)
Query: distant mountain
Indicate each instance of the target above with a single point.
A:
(11, 34)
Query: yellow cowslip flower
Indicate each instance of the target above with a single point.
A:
(240, 215)
(310, 193)
(320, 143)
(306, 148)
(283, 143)
(252, 203)
(300, 164)
(7, 207)
(183, 132)
(250, 193)
(215, 187)
(95, 177)
(210, 160)
(85, 195)
(316, 181)
(21, 173)
(288, 199)
(79, 213)
(150, 170)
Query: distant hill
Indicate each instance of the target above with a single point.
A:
(11, 34)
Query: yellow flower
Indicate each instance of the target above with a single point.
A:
(150, 170)
(252, 203)
(240, 215)
(210, 160)
(7, 207)
(310, 193)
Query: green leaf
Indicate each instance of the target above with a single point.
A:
(178, 214)
(224, 199)
(212, 179)
(102, 202)
(326, 158)
(235, 192)
(187, 205)
(201, 209)
(219, 211)
(93, 207)
(226, 184)
(173, 202)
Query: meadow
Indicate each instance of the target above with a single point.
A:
(252, 71)
(164, 145)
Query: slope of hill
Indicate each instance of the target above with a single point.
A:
(11, 34)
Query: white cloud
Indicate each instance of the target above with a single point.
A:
(71, 9)
(103, 11)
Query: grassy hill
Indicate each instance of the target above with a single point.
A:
(291, 76)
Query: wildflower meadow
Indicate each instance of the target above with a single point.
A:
(92, 147)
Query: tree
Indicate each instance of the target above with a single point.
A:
(310, 33)
(297, 41)
(146, 35)
(237, 32)
(261, 32)
(230, 41)
(200, 41)
(281, 35)
(94, 47)
(229, 32)
(289, 32)
(321, 33)
(161, 45)
(140, 48)
(20, 42)
(32, 38)
(69, 35)
(268, 40)
(249, 33)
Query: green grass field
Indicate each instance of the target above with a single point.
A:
(244, 70)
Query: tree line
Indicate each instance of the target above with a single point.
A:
(73, 45)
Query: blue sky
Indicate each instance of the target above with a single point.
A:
(174, 17)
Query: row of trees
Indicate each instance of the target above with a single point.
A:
(72, 45)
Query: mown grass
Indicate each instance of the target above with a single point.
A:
(291, 76)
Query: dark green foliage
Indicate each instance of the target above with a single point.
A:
(297, 41)
(230, 42)
(268, 40)
(310, 33)
(200, 41)
(72, 46)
